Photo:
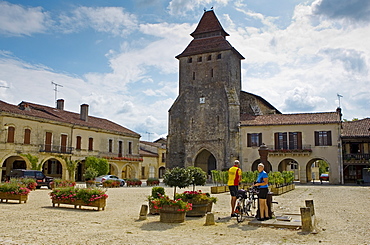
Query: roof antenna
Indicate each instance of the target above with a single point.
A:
(339, 96)
(148, 135)
(56, 90)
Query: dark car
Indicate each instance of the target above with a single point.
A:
(39, 176)
(324, 177)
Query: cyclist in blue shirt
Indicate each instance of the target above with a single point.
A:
(262, 183)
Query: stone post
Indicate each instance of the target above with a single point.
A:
(143, 212)
(263, 151)
(210, 219)
(307, 226)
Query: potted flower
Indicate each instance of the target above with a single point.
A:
(171, 211)
(152, 181)
(57, 183)
(199, 200)
(111, 183)
(14, 191)
(28, 182)
(157, 192)
(78, 197)
(133, 182)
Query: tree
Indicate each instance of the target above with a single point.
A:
(177, 177)
(197, 176)
(101, 165)
(34, 161)
(71, 167)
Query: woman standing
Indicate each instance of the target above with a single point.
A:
(262, 183)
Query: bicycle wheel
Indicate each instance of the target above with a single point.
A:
(241, 214)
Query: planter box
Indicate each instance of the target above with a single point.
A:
(19, 198)
(199, 208)
(100, 203)
(169, 214)
(277, 191)
(217, 189)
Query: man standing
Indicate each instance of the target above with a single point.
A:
(235, 176)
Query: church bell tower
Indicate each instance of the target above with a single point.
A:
(204, 119)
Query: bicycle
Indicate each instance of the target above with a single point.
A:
(246, 200)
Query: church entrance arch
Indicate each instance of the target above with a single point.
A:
(206, 161)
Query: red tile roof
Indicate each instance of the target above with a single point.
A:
(49, 113)
(208, 23)
(145, 153)
(360, 128)
(290, 119)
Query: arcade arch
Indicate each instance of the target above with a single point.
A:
(315, 167)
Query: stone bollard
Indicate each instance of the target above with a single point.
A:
(210, 219)
(306, 218)
(143, 212)
(309, 204)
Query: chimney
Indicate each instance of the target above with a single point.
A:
(84, 112)
(339, 111)
(60, 104)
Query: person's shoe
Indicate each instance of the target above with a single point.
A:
(234, 215)
(261, 219)
(267, 218)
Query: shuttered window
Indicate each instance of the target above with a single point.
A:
(281, 141)
(323, 138)
(78, 143)
(254, 139)
(27, 136)
(295, 140)
(91, 144)
(11, 132)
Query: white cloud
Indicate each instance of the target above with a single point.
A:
(181, 7)
(112, 20)
(17, 20)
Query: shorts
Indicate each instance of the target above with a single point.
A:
(233, 190)
(262, 194)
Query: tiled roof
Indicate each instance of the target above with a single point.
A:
(290, 119)
(207, 45)
(208, 23)
(360, 128)
(145, 153)
(155, 144)
(49, 113)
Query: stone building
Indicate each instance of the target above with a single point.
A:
(204, 119)
(55, 135)
(154, 158)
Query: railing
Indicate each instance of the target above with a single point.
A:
(356, 156)
(303, 149)
(120, 156)
(56, 149)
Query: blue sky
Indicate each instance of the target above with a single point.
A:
(119, 56)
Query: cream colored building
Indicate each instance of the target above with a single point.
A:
(296, 142)
(54, 135)
(154, 158)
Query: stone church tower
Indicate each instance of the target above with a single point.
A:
(204, 119)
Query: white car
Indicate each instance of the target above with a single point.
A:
(103, 178)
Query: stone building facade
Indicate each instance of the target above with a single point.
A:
(54, 135)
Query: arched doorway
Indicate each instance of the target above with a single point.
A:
(316, 167)
(161, 172)
(206, 161)
(53, 168)
(13, 162)
(258, 161)
(289, 164)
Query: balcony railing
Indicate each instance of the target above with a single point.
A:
(356, 156)
(56, 149)
(305, 149)
(121, 157)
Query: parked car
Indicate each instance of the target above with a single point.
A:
(39, 176)
(102, 178)
(324, 177)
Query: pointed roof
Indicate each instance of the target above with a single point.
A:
(209, 37)
(209, 23)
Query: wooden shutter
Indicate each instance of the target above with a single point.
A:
(316, 138)
(249, 140)
(27, 136)
(91, 140)
(276, 140)
(63, 143)
(329, 137)
(299, 135)
(78, 143)
(291, 140)
(260, 139)
(11, 132)
(48, 138)
(285, 141)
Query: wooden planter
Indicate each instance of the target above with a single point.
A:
(169, 214)
(19, 198)
(217, 189)
(199, 209)
(100, 203)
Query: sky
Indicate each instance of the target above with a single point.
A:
(118, 56)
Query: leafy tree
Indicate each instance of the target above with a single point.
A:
(323, 167)
(198, 176)
(34, 161)
(177, 177)
(90, 173)
(101, 165)
(71, 167)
